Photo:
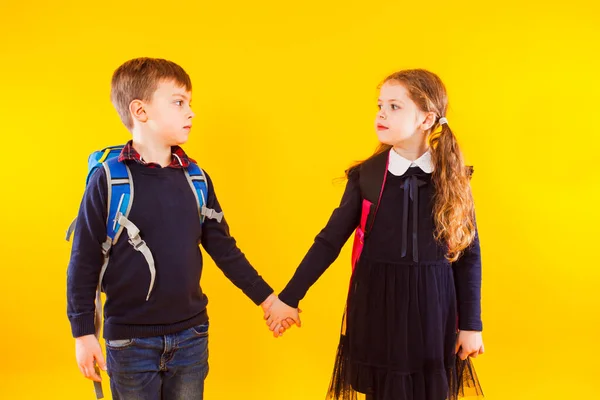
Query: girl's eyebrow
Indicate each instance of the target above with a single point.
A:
(399, 101)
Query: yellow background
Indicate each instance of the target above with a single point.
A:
(285, 99)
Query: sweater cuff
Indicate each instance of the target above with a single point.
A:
(82, 325)
(477, 327)
(288, 299)
(470, 324)
(469, 316)
(259, 292)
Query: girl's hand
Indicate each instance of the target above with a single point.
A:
(279, 312)
(469, 343)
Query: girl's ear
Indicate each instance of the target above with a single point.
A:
(429, 121)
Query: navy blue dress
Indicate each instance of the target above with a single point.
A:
(406, 301)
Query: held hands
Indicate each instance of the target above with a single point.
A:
(469, 344)
(280, 316)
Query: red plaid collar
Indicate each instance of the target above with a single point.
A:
(179, 159)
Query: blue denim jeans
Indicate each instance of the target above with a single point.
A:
(170, 367)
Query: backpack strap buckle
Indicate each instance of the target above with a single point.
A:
(211, 214)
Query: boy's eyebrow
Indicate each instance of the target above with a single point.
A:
(185, 96)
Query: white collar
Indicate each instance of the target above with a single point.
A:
(398, 165)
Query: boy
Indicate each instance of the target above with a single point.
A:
(156, 324)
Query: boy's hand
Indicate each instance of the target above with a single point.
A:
(268, 302)
(278, 313)
(266, 306)
(469, 343)
(88, 351)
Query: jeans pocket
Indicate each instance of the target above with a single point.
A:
(119, 343)
(200, 330)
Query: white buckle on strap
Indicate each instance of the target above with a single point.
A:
(212, 214)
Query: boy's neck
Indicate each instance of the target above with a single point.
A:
(152, 152)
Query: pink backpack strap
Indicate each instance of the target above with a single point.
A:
(372, 177)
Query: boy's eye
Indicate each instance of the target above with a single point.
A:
(179, 102)
(379, 106)
(395, 107)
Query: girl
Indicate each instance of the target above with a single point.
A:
(413, 310)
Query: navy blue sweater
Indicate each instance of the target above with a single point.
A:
(164, 209)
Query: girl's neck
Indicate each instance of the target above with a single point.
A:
(411, 152)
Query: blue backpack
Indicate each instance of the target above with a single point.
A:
(119, 202)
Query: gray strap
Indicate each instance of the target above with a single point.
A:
(98, 312)
(98, 385)
(105, 249)
(71, 229)
(98, 318)
(212, 214)
(140, 245)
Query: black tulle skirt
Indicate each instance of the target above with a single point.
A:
(399, 335)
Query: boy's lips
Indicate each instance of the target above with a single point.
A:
(381, 127)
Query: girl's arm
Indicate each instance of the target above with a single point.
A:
(327, 245)
(467, 280)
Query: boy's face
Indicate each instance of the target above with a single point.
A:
(169, 113)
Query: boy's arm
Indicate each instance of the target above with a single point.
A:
(86, 256)
(222, 248)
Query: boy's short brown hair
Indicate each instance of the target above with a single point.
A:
(139, 78)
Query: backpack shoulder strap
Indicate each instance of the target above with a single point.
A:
(97, 158)
(372, 177)
(120, 199)
(199, 185)
(95, 162)
(120, 195)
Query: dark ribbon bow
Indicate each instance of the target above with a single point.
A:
(411, 185)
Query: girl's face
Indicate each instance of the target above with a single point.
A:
(399, 120)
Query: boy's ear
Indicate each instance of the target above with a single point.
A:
(137, 110)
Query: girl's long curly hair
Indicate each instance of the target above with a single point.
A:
(453, 208)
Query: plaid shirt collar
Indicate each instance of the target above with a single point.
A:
(178, 160)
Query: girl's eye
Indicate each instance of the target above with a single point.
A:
(179, 102)
(379, 106)
(395, 107)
